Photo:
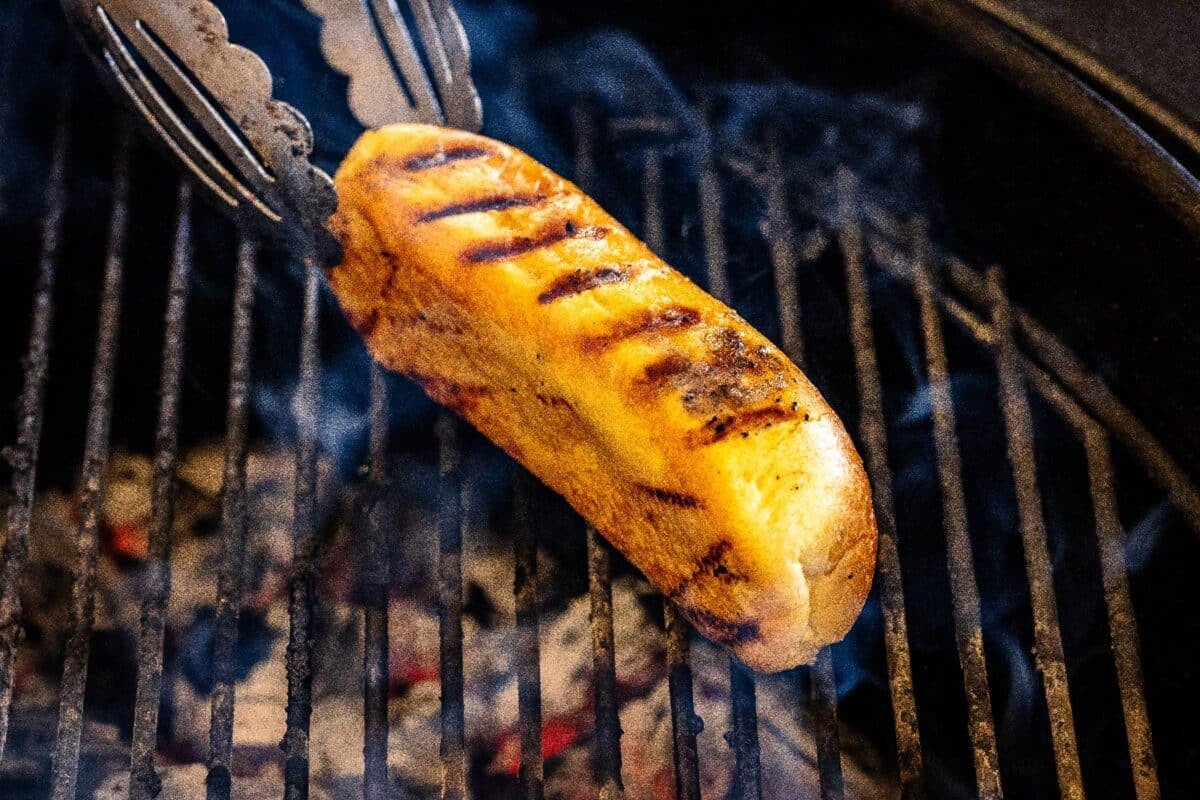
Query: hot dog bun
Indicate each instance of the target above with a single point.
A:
(680, 432)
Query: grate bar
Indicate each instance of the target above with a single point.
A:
(652, 199)
(450, 611)
(1122, 622)
(829, 746)
(528, 656)
(1086, 386)
(233, 528)
(606, 750)
(23, 455)
(965, 594)
(712, 211)
(873, 432)
(1095, 395)
(1018, 423)
(781, 240)
(302, 599)
(65, 760)
(779, 233)
(607, 747)
(743, 712)
(744, 734)
(1115, 577)
(685, 724)
(1122, 627)
(376, 583)
(144, 781)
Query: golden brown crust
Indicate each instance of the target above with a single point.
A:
(680, 432)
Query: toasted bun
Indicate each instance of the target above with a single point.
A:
(685, 436)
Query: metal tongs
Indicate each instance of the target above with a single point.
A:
(209, 102)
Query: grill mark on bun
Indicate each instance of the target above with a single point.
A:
(720, 427)
(480, 205)
(445, 155)
(722, 631)
(581, 280)
(712, 564)
(554, 401)
(667, 367)
(520, 245)
(677, 499)
(652, 320)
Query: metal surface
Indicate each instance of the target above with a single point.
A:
(1051, 662)
(233, 529)
(1140, 52)
(65, 764)
(873, 434)
(23, 455)
(376, 587)
(305, 548)
(1078, 92)
(528, 653)
(607, 749)
(967, 624)
(249, 151)
(145, 784)
(392, 79)
(1053, 386)
(450, 610)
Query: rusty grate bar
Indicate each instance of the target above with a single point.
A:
(1095, 438)
(744, 734)
(743, 712)
(874, 438)
(144, 781)
(1087, 387)
(607, 745)
(652, 199)
(376, 583)
(780, 236)
(1092, 393)
(65, 760)
(829, 747)
(450, 610)
(965, 594)
(23, 455)
(1122, 625)
(301, 595)
(1018, 423)
(528, 654)
(233, 528)
(684, 722)
(712, 211)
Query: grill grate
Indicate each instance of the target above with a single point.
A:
(1027, 358)
(145, 784)
(65, 765)
(233, 529)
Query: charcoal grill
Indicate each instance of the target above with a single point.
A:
(1077, 469)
